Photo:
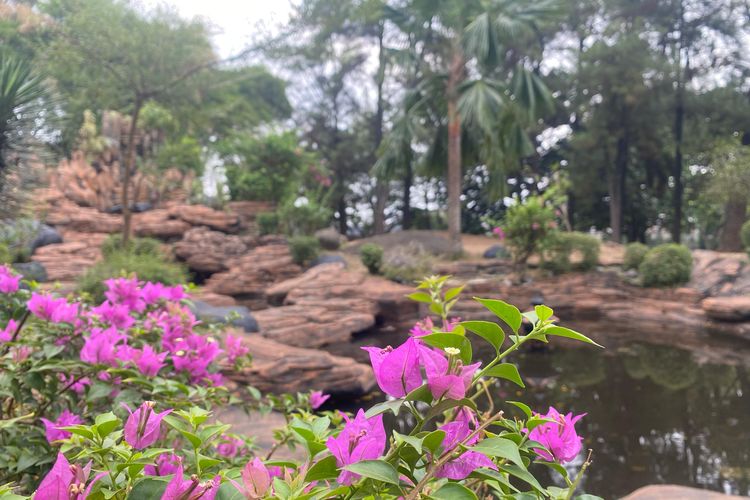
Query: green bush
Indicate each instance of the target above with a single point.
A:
(745, 235)
(184, 154)
(6, 256)
(136, 246)
(666, 265)
(371, 255)
(559, 248)
(634, 254)
(303, 220)
(148, 267)
(329, 238)
(407, 263)
(526, 227)
(304, 249)
(268, 223)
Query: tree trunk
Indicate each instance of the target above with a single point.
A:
(617, 189)
(381, 186)
(454, 181)
(406, 221)
(735, 214)
(679, 119)
(341, 210)
(128, 173)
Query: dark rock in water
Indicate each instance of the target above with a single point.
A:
(47, 235)
(31, 271)
(214, 314)
(327, 259)
(496, 252)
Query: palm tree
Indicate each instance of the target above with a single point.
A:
(479, 89)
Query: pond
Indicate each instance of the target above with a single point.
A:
(655, 413)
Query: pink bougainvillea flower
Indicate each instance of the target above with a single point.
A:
(317, 398)
(361, 439)
(117, 315)
(256, 479)
(66, 482)
(229, 446)
(234, 348)
(446, 377)
(101, 346)
(148, 361)
(558, 436)
(180, 488)
(125, 291)
(46, 307)
(53, 430)
(422, 328)
(21, 353)
(143, 426)
(396, 370)
(7, 333)
(176, 323)
(166, 464)
(498, 231)
(456, 432)
(194, 354)
(71, 382)
(8, 280)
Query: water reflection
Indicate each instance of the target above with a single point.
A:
(655, 414)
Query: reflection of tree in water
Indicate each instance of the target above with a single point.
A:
(654, 416)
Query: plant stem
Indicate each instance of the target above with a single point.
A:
(573, 486)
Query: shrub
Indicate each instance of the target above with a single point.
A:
(745, 235)
(136, 246)
(526, 227)
(303, 219)
(371, 255)
(304, 249)
(6, 256)
(329, 238)
(559, 248)
(634, 254)
(268, 223)
(407, 263)
(147, 266)
(666, 265)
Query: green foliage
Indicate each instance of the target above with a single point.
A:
(634, 254)
(268, 223)
(560, 247)
(745, 235)
(371, 255)
(526, 227)
(303, 219)
(136, 246)
(6, 256)
(147, 266)
(304, 249)
(184, 154)
(666, 265)
(407, 263)
(268, 168)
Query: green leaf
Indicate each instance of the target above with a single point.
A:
(446, 405)
(454, 491)
(434, 440)
(322, 470)
(421, 297)
(561, 331)
(227, 491)
(523, 407)
(412, 441)
(106, 423)
(379, 470)
(506, 312)
(489, 331)
(522, 474)
(393, 406)
(421, 393)
(148, 488)
(499, 447)
(443, 340)
(507, 371)
(194, 440)
(586, 496)
(543, 312)
(453, 292)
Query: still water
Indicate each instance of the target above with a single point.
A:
(655, 413)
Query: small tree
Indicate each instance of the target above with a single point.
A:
(731, 186)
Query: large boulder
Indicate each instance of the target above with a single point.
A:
(496, 252)
(201, 215)
(329, 238)
(31, 271)
(279, 368)
(674, 492)
(727, 308)
(327, 259)
(46, 235)
(210, 251)
(238, 316)
(159, 224)
(69, 260)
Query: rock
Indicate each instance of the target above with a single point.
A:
(496, 252)
(158, 224)
(46, 235)
(214, 314)
(138, 207)
(210, 251)
(69, 260)
(31, 271)
(213, 299)
(674, 492)
(247, 211)
(327, 259)
(279, 368)
(329, 238)
(201, 215)
(727, 308)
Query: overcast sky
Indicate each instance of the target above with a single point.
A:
(233, 21)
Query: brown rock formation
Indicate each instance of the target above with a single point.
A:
(735, 308)
(201, 215)
(67, 261)
(210, 251)
(674, 492)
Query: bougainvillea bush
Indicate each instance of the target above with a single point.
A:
(115, 400)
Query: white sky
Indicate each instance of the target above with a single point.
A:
(234, 21)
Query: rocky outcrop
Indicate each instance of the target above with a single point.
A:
(201, 215)
(159, 224)
(735, 308)
(209, 251)
(720, 273)
(279, 368)
(674, 492)
(69, 260)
